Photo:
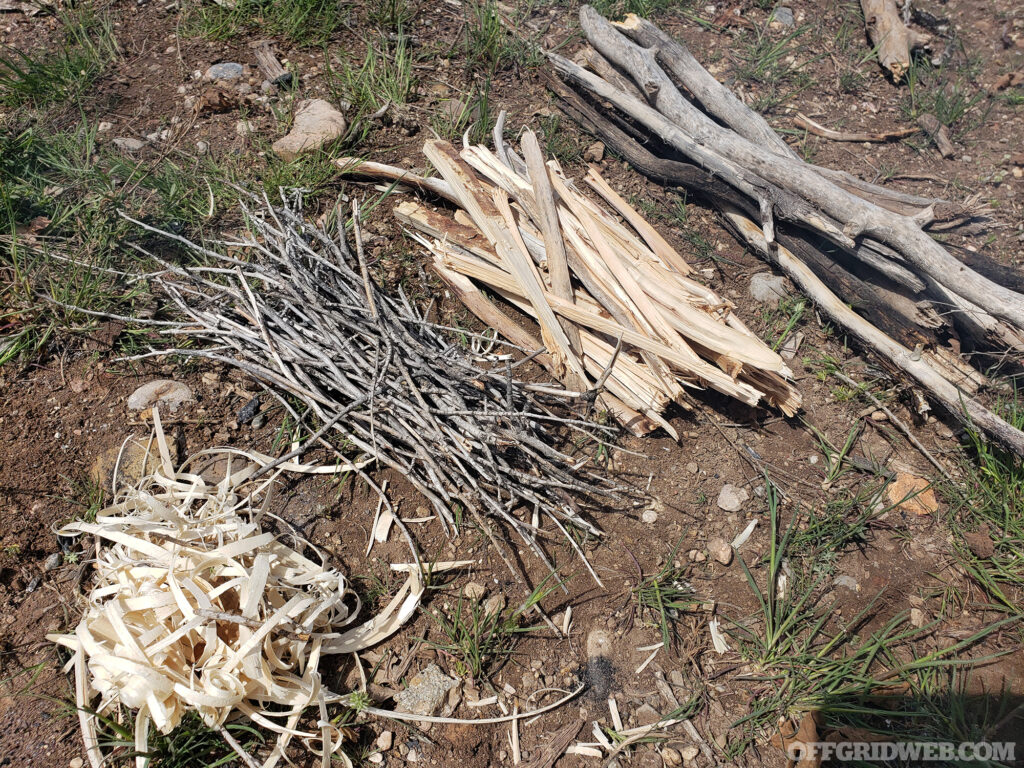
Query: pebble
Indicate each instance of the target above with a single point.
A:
(721, 550)
(127, 144)
(244, 128)
(248, 411)
(689, 752)
(161, 392)
(385, 740)
(76, 762)
(878, 416)
(692, 468)
(847, 581)
(105, 126)
(649, 516)
(494, 604)
(316, 122)
(768, 288)
(202, 147)
(671, 757)
(52, 562)
(227, 70)
(731, 497)
(784, 16)
(258, 420)
(696, 556)
(474, 591)
(594, 153)
(426, 691)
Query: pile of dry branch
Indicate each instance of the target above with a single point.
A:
(363, 374)
(845, 242)
(618, 311)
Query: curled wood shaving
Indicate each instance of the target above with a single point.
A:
(196, 607)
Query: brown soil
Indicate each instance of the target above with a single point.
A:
(60, 415)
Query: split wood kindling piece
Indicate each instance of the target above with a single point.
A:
(619, 313)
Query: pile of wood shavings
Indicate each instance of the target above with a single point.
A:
(196, 607)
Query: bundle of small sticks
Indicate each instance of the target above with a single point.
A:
(363, 374)
(618, 309)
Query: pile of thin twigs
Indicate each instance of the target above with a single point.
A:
(294, 307)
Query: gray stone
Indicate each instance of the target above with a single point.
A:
(316, 122)
(426, 692)
(127, 144)
(731, 497)
(202, 147)
(162, 392)
(784, 16)
(846, 581)
(768, 288)
(52, 562)
(227, 70)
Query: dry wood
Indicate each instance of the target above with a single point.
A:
(270, 67)
(970, 411)
(938, 133)
(803, 121)
(902, 281)
(554, 246)
(889, 35)
(682, 125)
(620, 285)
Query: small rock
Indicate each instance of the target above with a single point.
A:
(594, 153)
(202, 147)
(671, 757)
(413, 756)
(768, 288)
(163, 393)
(227, 70)
(153, 137)
(248, 411)
(103, 127)
(133, 463)
(784, 16)
(649, 516)
(721, 550)
(474, 591)
(258, 421)
(76, 762)
(917, 617)
(647, 715)
(731, 497)
(494, 604)
(847, 581)
(316, 122)
(52, 562)
(385, 740)
(127, 144)
(426, 692)
(878, 416)
(267, 88)
(692, 468)
(688, 752)
(912, 494)
(376, 758)
(245, 128)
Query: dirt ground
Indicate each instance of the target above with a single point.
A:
(63, 413)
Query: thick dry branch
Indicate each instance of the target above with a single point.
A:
(677, 122)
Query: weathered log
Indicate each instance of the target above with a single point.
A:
(682, 125)
(890, 36)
